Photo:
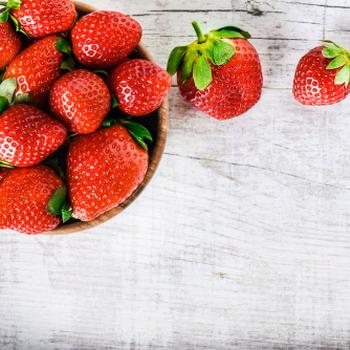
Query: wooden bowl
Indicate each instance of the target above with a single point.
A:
(158, 122)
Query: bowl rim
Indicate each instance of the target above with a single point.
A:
(157, 152)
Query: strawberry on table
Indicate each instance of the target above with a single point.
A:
(24, 196)
(36, 68)
(28, 135)
(220, 73)
(81, 99)
(322, 76)
(10, 44)
(140, 86)
(104, 169)
(101, 39)
(38, 18)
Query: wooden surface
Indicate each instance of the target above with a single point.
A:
(242, 240)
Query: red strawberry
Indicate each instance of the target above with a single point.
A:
(39, 18)
(220, 73)
(81, 99)
(104, 169)
(104, 38)
(323, 75)
(140, 86)
(10, 44)
(28, 135)
(36, 68)
(24, 198)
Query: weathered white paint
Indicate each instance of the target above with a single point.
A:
(242, 239)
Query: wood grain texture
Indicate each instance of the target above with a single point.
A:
(242, 239)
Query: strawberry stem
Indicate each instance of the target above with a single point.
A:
(3, 3)
(201, 37)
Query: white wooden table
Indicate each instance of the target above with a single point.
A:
(242, 240)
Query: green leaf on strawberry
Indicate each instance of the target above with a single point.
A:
(115, 102)
(66, 212)
(59, 206)
(6, 165)
(196, 59)
(17, 25)
(8, 94)
(175, 59)
(8, 88)
(221, 52)
(68, 64)
(340, 59)
(231, 32)
(63, 45)
(3, 104)
(343, 76)
(139, 133)
(101, 72)
(57, 201)
(14, 4)
(202, 74)
(9, 5)
(5, 15)
(23, 98)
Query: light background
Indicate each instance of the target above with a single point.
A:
(242, 240)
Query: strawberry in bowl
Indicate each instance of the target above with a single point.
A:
(74, 152)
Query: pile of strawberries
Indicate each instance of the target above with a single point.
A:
(70, 145)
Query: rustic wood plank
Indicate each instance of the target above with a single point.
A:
(242, 239)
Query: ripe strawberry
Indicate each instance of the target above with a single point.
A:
(104, 38)
(81, 99)
(24, 198)
(10, 44)
(322, 76)
(39, 19)
(28, 135)
(104, 169)
(140, 86)
(36, 68)
(220, 73)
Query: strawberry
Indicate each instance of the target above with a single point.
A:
(104, 169)
(24, 197)
(28, 135)
(81, 100)
(103, 38)
(322, 76)
(38, 19)
(36, 68)
(10, 44)
(220, 73)
(140, 86)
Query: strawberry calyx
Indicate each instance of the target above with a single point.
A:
(340, 59)
(6, 165)
(63, 45)
(59, 205)
(209, 49)
(137, 131)
(6, 14)
(8, 94)
(9, 5)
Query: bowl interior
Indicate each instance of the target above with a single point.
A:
(157, 123)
